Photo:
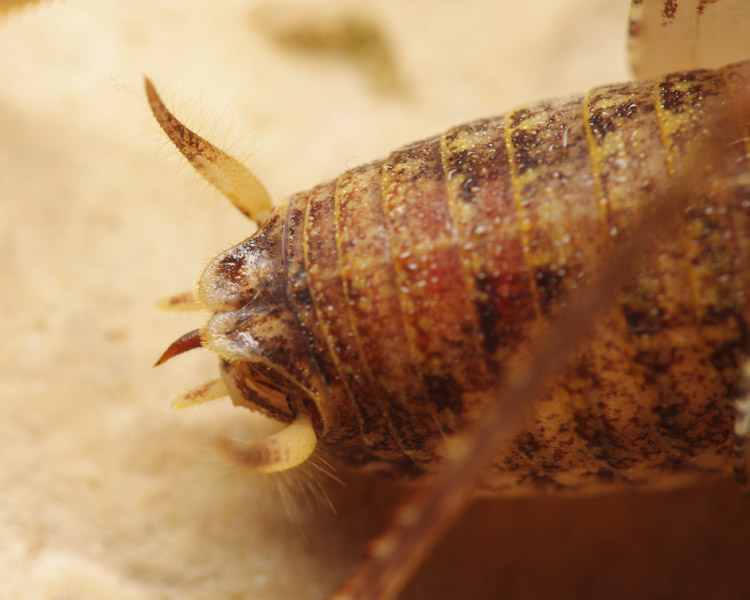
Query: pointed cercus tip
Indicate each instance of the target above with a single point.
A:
(189, 341)
(225, 173)
(150, 89)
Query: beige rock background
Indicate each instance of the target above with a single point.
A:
(106, 492)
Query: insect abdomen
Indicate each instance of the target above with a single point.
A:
(388, 305)
(417, 280)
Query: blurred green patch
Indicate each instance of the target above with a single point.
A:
(348, 36)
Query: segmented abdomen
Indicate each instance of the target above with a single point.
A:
(417, 280)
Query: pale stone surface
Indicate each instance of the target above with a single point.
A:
(106, 492)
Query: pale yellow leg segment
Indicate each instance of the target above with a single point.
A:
(211, 390)
(184, 301)
(282, 451)
(741, 444)
(228, 175)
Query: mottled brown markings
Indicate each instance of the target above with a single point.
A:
(588, 401)
(702, 4)
(620, 410)
(672, 424)
(731, 353)
(643, 322)
(713, 228)
(347, 431)
(320, 265)
(344, 248)
(465, 168)
(488, 317)
(231, 269)
(550, 283)
(528, 445)
(431, 290)
(737, 81)
(606, 120)
(676, 100)
(532, 148)
(652, 301)
(316, 332)
(446, 393)
(677, 385)
(504, 305)
(244, 385)
(275, 345)
(671, 99)
(302, 297)
(372, 306)
(487, 227)
(323, 266)
(541, 482)
(517, 117)
(601, 437)
(234, 275)
(669, 9)
(554, 193)
(523, 143)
